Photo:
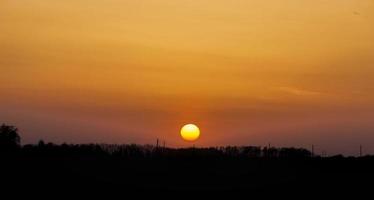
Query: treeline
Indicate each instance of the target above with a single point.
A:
(10, 142)
(149, 151)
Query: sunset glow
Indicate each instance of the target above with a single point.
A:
(290, 72)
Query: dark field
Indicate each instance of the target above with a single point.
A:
(137, 170)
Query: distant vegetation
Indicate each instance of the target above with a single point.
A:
(10, 141)
(9, 138)
(125, 169)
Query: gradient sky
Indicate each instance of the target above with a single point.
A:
(247, 72)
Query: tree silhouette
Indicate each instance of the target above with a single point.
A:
(9, 138)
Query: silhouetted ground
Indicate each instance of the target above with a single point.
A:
(91, 171)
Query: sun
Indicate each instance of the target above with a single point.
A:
(190, 132)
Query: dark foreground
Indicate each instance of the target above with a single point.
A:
(182, 173)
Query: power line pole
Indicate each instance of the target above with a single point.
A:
(157, 144)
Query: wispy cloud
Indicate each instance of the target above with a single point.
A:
(299, 91)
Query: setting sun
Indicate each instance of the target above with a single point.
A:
(190, 132)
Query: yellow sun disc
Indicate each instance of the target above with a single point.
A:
(190, 132)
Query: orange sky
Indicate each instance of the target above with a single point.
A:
(247, 72)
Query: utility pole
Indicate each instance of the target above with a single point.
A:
(157, 144)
